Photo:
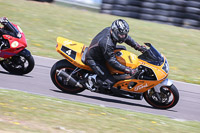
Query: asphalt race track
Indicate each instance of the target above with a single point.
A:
(39, 82)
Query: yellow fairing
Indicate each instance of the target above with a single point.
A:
(72, 51)
(126, 58)
(143, 85)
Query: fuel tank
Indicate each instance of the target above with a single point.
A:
(126, 58)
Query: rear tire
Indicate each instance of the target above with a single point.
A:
(169, 97)
(60, 82)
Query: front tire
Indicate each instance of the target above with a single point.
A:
(60, 82)
(167, 98)
(19, 64)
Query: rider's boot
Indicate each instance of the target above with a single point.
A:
(90, 82)
(93, 83)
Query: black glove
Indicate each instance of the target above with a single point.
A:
(3, 20)
(140, 48)
(130, 71)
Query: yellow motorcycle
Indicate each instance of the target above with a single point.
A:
(150, 82)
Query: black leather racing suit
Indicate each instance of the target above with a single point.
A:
(101, 50)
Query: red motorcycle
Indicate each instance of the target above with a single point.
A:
(14, 58)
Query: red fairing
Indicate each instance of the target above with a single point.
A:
(16, 44)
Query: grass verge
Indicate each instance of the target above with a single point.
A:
(43, 22)
(23, 112)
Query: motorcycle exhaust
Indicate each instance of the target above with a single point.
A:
(69, 78)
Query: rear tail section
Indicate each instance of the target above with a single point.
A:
(72, 51)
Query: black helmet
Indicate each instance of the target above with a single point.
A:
(119, 30)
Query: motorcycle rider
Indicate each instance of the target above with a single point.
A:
(7, 29)
(101, 50)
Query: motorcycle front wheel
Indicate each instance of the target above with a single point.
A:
(19, 64)
(167, 98)
(62, 83)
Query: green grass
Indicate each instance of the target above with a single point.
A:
(23, 112)
(42, 23)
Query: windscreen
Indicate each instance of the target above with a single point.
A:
(12, 28)
(152, 56)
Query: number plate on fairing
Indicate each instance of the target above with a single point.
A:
(69, 52)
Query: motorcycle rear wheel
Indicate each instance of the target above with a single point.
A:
(19, 64)
(169, 97)
(60, 82)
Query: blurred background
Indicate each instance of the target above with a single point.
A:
(171, 26)
(184, 13)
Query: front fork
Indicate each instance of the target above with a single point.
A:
(166, 82)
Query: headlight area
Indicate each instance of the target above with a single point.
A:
(166, 66)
